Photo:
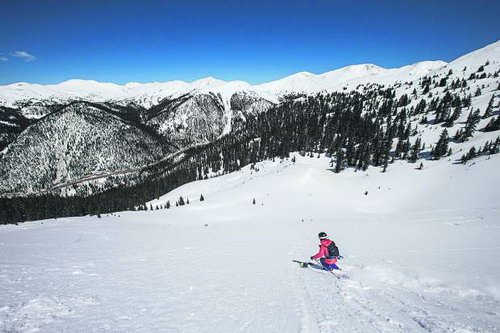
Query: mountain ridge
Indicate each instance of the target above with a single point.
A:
(150, 94)
(82, 88)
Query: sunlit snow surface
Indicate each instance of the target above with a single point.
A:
(421, 254)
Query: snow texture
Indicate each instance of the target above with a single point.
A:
(421, 255)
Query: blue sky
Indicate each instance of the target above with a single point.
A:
(46, 41)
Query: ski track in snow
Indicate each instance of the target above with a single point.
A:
(431, 268)
(350, 305)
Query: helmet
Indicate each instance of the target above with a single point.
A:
(322, 235)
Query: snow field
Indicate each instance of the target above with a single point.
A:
(420, 256)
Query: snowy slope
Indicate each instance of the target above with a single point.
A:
(420, 251)
(472, 60)
(350, 77)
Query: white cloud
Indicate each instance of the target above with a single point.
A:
(3, 59)
(23, 55)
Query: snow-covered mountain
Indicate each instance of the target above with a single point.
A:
(349, 77)
(149, 94)
(173, 116)
(76, 142)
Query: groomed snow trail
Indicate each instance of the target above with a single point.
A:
(421, 256)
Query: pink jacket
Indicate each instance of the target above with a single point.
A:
(323, 252)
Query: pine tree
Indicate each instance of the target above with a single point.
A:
(455, 115)
(202, 198)
(469, 128)
(441, 146)
(496, 147)
(489, 109)
(181, 201)
(470, 155)
(415, 151)
(478, 92)
(493, 125)
(339, 166)
(400, 146)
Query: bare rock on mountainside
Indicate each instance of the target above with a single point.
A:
(190, 120)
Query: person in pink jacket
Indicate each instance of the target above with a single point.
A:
(328, 253)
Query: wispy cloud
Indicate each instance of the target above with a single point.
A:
(23, 55)
(3, 59)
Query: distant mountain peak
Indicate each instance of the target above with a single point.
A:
(148, 94)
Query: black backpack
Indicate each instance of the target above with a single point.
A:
(333, 250)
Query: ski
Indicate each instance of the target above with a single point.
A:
(304, 264)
